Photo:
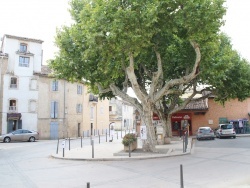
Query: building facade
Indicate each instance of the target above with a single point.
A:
(32, 99)
(68, 110)
(121, 115)
(19, 86)
(207, 112)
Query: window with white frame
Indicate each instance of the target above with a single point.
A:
(12, 105)
(32, 105)
(23, 48)
(79, 108)
(24, 61)
(54, 85)
(33, 84)
(79, 89)
(13, 82)
(54, 109)
(91, 113)
(102, 110)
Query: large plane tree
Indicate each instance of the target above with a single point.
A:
(158, 48)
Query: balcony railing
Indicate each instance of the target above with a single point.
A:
(112, 112)
(93, 98)
(13, 86)
(12, 108)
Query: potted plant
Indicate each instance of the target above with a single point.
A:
(129, 139)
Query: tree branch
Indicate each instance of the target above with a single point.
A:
(185, 79)
(133, 80)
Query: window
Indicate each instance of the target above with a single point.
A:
(79, 108)
(92, 113)
(33, 84)
(13, 82)
(12, 105)
(24, 61)
(23, 48)
(54, 85)
(32, 106)
(102, 110)
(54, 109)
(79, 89)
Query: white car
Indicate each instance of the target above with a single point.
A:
(225, 130)
(205, 133)
(20, 135)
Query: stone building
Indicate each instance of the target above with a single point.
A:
(68, 110)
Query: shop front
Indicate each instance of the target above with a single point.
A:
(14, 121)
(181, 122)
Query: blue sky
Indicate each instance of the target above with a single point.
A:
(39, 19)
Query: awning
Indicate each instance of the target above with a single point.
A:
(14, 116)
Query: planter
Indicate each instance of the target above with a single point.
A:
(167, 140)
(133, 146)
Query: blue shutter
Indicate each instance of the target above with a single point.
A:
(56, 109)
(52, 109)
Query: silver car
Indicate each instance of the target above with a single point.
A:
(20, 135)
(225, 130)
(205, 133)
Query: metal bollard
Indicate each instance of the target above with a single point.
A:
(129, 150)
(69, 143)
(57, 146)
(81, 141)
(181, 179)
(92, 143)
(88, 185)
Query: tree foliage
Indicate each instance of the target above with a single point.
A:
(159, 48)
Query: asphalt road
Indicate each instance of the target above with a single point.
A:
(215, 163)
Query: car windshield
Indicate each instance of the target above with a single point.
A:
(229, 126)
(204, 130)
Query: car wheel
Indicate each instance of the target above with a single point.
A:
(7, 139)
(213, 138)
(32, 139)
(234, 137)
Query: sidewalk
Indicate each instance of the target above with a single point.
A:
(110, 151)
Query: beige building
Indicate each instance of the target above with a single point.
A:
(68, 110)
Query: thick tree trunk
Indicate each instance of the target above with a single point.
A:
(166, 124)
(150, 142)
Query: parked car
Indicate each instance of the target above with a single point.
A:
(225, 130)
(205, 133)
(20, 135)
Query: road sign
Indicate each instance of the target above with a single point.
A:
(143, 132)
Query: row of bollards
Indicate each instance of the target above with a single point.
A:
(91, 143)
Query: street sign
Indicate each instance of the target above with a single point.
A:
(143, 132)
(63, 144)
